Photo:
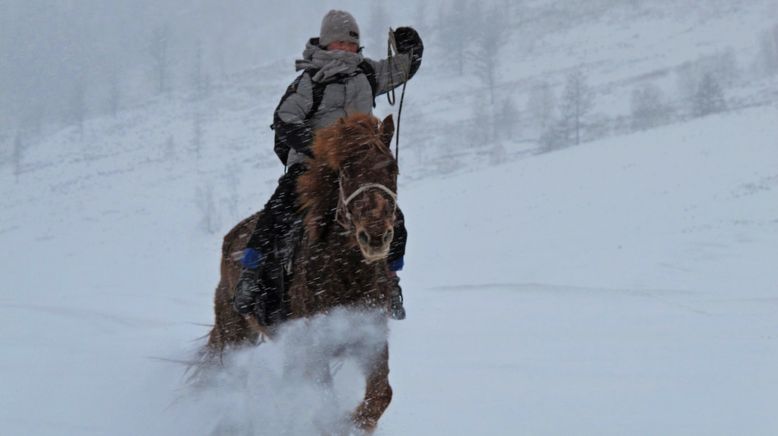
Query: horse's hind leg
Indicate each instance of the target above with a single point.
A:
(378, 394)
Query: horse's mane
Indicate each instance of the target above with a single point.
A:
(346, 141)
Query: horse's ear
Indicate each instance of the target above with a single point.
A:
(387, 130)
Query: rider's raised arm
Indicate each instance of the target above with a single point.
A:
(392, 73)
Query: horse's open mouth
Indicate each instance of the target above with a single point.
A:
(372, 254)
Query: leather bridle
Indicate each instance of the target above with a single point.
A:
(342, 214)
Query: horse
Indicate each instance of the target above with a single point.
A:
(348, 201)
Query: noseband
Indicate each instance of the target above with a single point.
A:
(342, 214)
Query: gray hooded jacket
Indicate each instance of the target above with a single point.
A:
(347, 92)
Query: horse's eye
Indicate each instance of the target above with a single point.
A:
(382, 164)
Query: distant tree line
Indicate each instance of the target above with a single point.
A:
(563, 114)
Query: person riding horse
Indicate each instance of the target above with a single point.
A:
(336, 81)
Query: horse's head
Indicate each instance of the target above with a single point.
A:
(367, 186)
(355, 156)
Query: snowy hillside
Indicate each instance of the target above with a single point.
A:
(626, 285)
(633, 294)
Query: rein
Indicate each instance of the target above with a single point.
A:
(391, 51)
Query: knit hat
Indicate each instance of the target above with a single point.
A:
(338, 26)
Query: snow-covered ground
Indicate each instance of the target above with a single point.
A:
(624, 286)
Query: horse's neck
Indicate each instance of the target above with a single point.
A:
(337, 266)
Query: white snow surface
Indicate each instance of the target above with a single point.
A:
(623, 287)
(627, 286)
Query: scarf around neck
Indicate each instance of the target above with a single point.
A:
(329, 63)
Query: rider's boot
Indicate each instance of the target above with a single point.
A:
(251, 294)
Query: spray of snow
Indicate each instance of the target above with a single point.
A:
(281, 387)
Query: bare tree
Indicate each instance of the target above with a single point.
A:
(197, 134)
(159, 50)
(454, 25)
(78, 105)
(18, 155)
(491, 35)
(482, 129)
(197, 68)
(768, 51)
(232, 179)
(170, 148)
(508, 8)
(774, 33)
(114, 92)
(209, 220)
(497, 154)
(709, 97)
(554, 136)
(724, 64)
(648, 107)
(687, 79)
(577, 101)
(721, 67)
(200, 79)
(541, 104)
(506, 119)
(31, 122)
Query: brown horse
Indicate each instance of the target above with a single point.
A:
(348, 201)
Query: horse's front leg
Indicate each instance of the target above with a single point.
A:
(378, 393)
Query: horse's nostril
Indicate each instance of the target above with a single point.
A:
(388, 236)
(363, 237)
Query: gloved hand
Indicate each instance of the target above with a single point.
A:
(408, 40)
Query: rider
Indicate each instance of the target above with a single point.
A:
(336, 81)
